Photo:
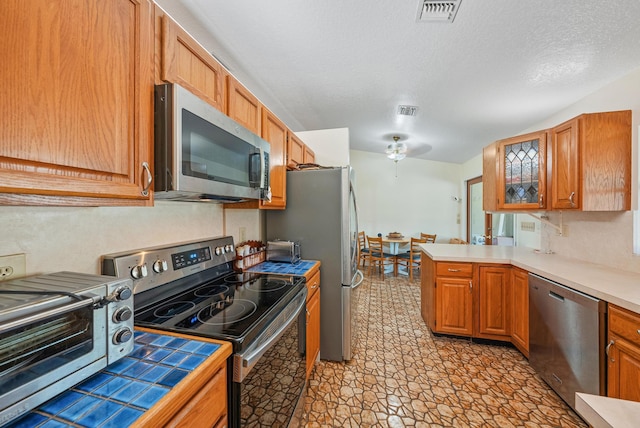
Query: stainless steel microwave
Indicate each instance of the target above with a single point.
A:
(201, 154)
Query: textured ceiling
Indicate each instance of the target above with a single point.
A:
(499, 68)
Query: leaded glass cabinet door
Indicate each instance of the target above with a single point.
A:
(522, 173)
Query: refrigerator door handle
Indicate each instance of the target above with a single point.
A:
(356, 284)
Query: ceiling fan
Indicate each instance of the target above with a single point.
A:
(398, 150)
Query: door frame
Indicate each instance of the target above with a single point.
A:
(488, 220)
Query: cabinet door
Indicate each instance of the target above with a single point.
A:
(275, 132)
(185, 62)
(313, 331)
(77, 105)
(243, 106)
(493, 301)
(295, 152)
(522, 173)
(520, 309)
(623, 369)
(490, 177)
(565, 164)
(309, 155)
(454, 312)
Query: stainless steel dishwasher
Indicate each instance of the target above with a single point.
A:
(567, 338)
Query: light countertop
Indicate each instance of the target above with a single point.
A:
(605, 412)
(612, 285)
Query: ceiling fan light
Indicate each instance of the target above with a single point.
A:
(396, 156)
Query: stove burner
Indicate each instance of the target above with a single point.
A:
(172, 309)
(267, 286)
(211, 290)
(237, 310)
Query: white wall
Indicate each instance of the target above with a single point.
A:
(331, 146)
(420, 199)
(66, 238)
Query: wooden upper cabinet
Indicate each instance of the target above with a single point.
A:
(309, 155)
(295, 151)
(77, 106)
(275, 132)
(243, 106)
(522, 172)
(591, 162)
(490, 177)
(185, 62)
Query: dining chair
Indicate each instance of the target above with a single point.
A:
(377, 256)
(430, 238)
(363, 251)
(411, 259)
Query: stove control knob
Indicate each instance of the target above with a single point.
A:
(139, 271)
(122, 314)
(219, 251)
(160, 266)
(228, 248)
(122, 336)
(121, 293)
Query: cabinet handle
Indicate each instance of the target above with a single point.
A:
(308, 314)
(145, 190)
(453, 270)
(314, 286)
(470, 286)
(541, 204)
(606, 351)
(571, 196)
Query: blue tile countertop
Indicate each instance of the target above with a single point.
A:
(119, 394)
(300, 268)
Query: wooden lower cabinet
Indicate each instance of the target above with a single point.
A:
(474, 300)
(493, 302)
(454, 306)
(623, 354)
(519, 309)
(313, 322)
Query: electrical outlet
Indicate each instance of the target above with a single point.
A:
(528, 226)
(242, 234)
(13, 266)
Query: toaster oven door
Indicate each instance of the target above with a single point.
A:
(41, 356)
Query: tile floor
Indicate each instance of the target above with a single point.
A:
(404, 376)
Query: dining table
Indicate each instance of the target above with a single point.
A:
(394, 248)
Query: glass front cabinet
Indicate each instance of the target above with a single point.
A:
(522, 172)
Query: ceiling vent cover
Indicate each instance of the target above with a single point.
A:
(407, 110)
(438, 11)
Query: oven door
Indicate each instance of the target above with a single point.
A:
(269, 379)
(44, 354)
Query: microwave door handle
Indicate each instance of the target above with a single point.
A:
(263, 167)
(5, 327)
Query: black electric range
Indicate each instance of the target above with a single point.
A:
(236, 307)
(191, 288)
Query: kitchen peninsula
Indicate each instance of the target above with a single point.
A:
(483, 291)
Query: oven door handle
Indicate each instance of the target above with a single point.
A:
(47, 314)
(243, 363)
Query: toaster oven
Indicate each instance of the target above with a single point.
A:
(55, 331)
(283, 251)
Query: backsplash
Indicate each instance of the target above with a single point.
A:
(604, 238)
(73, 239)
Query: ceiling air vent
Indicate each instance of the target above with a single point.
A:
(438, 11)
(407, 110)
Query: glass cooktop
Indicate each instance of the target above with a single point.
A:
(233, 308)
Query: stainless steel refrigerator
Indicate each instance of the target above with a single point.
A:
(321, 214)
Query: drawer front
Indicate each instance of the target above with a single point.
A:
(313, 284)
(624, 323)
(460, 270)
